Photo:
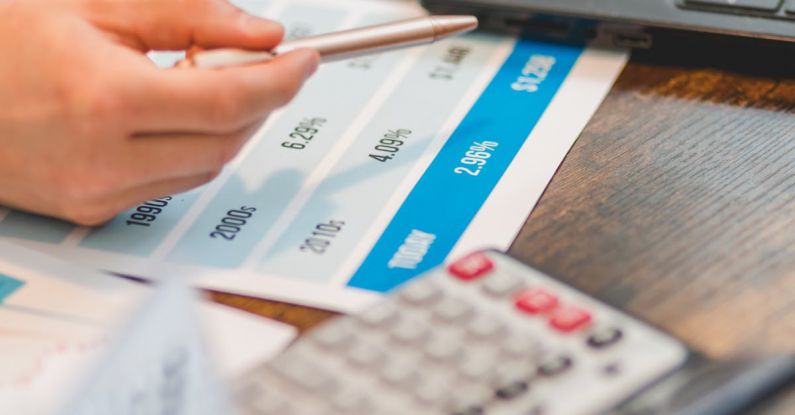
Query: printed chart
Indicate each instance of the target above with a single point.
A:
(380, 169)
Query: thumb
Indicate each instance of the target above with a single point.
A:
(178, 25)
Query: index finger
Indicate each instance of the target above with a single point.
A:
(219, 100)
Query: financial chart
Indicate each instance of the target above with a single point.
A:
(381, 168)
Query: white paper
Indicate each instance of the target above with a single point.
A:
(158, 365)
(64, 320)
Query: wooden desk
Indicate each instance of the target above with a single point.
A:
(677, 203)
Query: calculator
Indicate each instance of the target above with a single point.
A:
(484, 335)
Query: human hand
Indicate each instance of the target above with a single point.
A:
(90, 127)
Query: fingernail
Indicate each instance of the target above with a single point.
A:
(257, 25)
(313, 62)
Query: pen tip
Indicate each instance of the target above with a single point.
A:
(449, 25)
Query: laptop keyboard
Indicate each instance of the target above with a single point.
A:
(763, 8)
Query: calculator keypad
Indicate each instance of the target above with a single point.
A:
(486, 335)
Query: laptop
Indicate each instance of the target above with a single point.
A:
(630, 23)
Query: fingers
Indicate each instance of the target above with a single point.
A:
(179, 24)
(145, 168)
(105, 208)
(158, 157)
(218, 101)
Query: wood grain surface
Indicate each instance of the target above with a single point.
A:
(677, 203)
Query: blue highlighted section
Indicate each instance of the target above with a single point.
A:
(8, 286)
(455, 186)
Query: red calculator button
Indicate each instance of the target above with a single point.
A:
(536, 301)
(471, 266)
(569, 319)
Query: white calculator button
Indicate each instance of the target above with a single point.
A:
(422, 292)
(477, 366)
(432, 392)
(486, 327)
(399, 373)
(409, 331)
(443, 349)
(502, 284)
(468, 400)
(303, 373)
(259, 398)
(333, 336)
(382, 315)
(366, 355)
(452, 310)
(317, 382)
(351, 402)
(522, 346)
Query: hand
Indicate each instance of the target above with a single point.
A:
(90, 127)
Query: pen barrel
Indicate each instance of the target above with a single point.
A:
(352, 43)
(348, 43)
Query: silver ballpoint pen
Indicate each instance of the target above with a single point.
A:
(348, 43)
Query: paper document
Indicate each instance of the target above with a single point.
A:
(158, 365)
(382, 167)
(58, 322)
